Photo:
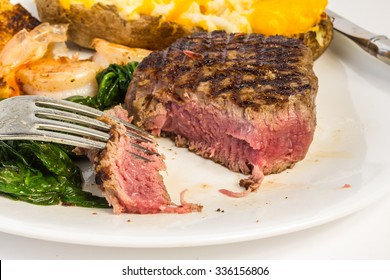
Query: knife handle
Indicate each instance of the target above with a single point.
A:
(379, 46)
(374, 44)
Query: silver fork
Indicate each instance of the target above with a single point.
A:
(60, 121)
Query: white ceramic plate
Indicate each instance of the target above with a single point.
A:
(351, 146)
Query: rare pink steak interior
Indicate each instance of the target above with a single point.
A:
(130, 177)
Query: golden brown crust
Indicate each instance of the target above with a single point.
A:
(14, 18)
(146, 32)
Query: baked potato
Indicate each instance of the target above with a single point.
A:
(107, 21)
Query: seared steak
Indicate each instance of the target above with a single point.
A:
(245, 101)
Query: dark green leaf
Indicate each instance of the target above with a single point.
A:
(112, 87)
(90, 101)
(42, 173)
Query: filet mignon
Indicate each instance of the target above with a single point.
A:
(244, 101)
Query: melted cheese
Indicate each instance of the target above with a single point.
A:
(269, 17)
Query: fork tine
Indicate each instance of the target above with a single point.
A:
(63, 116)
(87, 111)
(34, 118)
(81, 119)
(66, 139)
(51, 125)
(53, 119)
(61, 126)
(57, 137)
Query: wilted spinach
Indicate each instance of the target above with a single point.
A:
(42, 173)
(113, 83)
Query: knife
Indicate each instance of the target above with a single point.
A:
(374, 44)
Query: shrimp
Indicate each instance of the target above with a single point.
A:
(64, 77)
(28, 64)
(108, 53)
(23, 48)
(30, 46)
(59, 78)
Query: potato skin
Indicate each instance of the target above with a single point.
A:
(103, 21)
(325, 32)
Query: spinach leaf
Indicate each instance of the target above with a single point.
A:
(42, 173)
(113, 83)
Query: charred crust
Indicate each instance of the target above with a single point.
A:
(12, 20)
(102, 176)
(251, 71)
(18, 19)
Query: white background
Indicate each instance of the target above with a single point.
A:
(362, 235)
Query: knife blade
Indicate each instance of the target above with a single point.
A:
(374, 44)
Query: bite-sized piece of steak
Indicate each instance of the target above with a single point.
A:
(245, 101)
(130, 178)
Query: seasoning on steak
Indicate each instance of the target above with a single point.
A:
(245, 101)
(130, 178)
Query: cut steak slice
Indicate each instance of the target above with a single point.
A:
(129, 177)
(245, 101)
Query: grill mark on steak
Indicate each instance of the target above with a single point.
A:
(244, 61)
(245, 101)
